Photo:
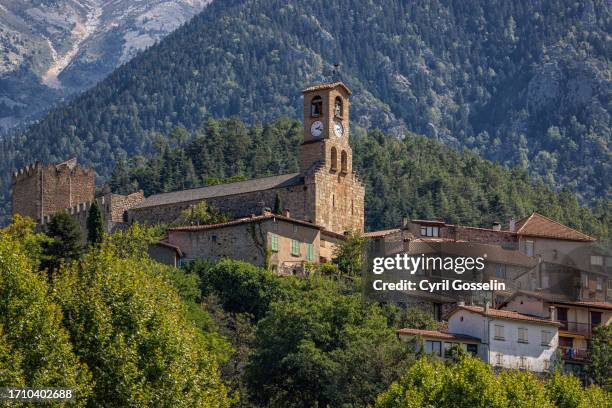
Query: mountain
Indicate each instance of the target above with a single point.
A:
(54, 48)
(524, 83)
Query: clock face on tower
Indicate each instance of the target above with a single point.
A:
(316, 129)
(338, 129)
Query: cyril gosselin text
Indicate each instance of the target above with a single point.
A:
(416, 265)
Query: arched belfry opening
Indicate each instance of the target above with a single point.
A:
(316, 106)
(334, 159)
(344, 162)
(338, 107)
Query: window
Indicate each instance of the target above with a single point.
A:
(430, 231)
(433, 347)
(529, 248)
(447, 348)
(609, 261)
(214, 238)
(499, 359)
(343, 162)
(597, 260)
(522, 335)
(546, 365)
(499, 332)
(334, 159)
(338, 107)
(472, 348)
(309, 252)
(275, 242)
(585, 280)
(523, 362)
(295, 229)
(599, 283)
(316, 107)
(610, 284)
(295, 247)
(500, 271)
(546, 337)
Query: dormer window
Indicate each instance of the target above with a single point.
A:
(316, 107)
(338, 107)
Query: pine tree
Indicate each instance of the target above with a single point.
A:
(66, 241)
(278, 205)
(95, 228)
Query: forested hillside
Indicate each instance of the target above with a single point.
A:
(413, 177)
(524, 83)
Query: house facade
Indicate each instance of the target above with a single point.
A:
(508, 339)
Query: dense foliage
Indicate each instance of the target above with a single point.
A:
(414, 177)
(600, 368)
(109, 325)
(472, 383)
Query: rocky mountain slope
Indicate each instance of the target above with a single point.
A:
(52, 49)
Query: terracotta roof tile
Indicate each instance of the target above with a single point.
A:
(436, 334)
(560, 299)
(504, 314)
(538, 225)
(382, 233)
(245, 220)
(330, 85)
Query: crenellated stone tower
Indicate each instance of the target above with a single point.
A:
(40, 190)
(335, 193)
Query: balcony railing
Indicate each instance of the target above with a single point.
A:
(584, 329)
(571, 353)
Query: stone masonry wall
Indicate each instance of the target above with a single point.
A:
(238, 205)
(41, 190)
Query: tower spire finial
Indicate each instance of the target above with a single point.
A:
(336, 72)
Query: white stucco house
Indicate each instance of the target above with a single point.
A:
(508, 339)
(502, 338)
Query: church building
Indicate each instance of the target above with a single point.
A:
(325, 192)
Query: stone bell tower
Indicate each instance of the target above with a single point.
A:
(326, 159)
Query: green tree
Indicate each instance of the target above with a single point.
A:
(35, 348)
(278, 205)
(95, 227)
(66, 241)
(600, 368)
(201, 214)
(349, 253)
(131, 328)
(307, 349)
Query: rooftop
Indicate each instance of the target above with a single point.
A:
(437, 334)
(560, 299)
(245, 220)
(504, 314)
(381, 233)
(220, 190)
(329, 85)
(537, 225)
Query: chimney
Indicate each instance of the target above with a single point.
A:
(497, 226)
(287, 213)
(512, 225)
(553, 313)
(405, 221)
(487, 307)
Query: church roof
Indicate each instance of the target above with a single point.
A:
(220, 190)
(537, 225)
(330, 85)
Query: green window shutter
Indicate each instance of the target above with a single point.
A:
(295, 247)
(274, 242)
(309, 252)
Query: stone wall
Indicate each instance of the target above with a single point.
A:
(237, 206)
(40, 190)
(250, 242)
